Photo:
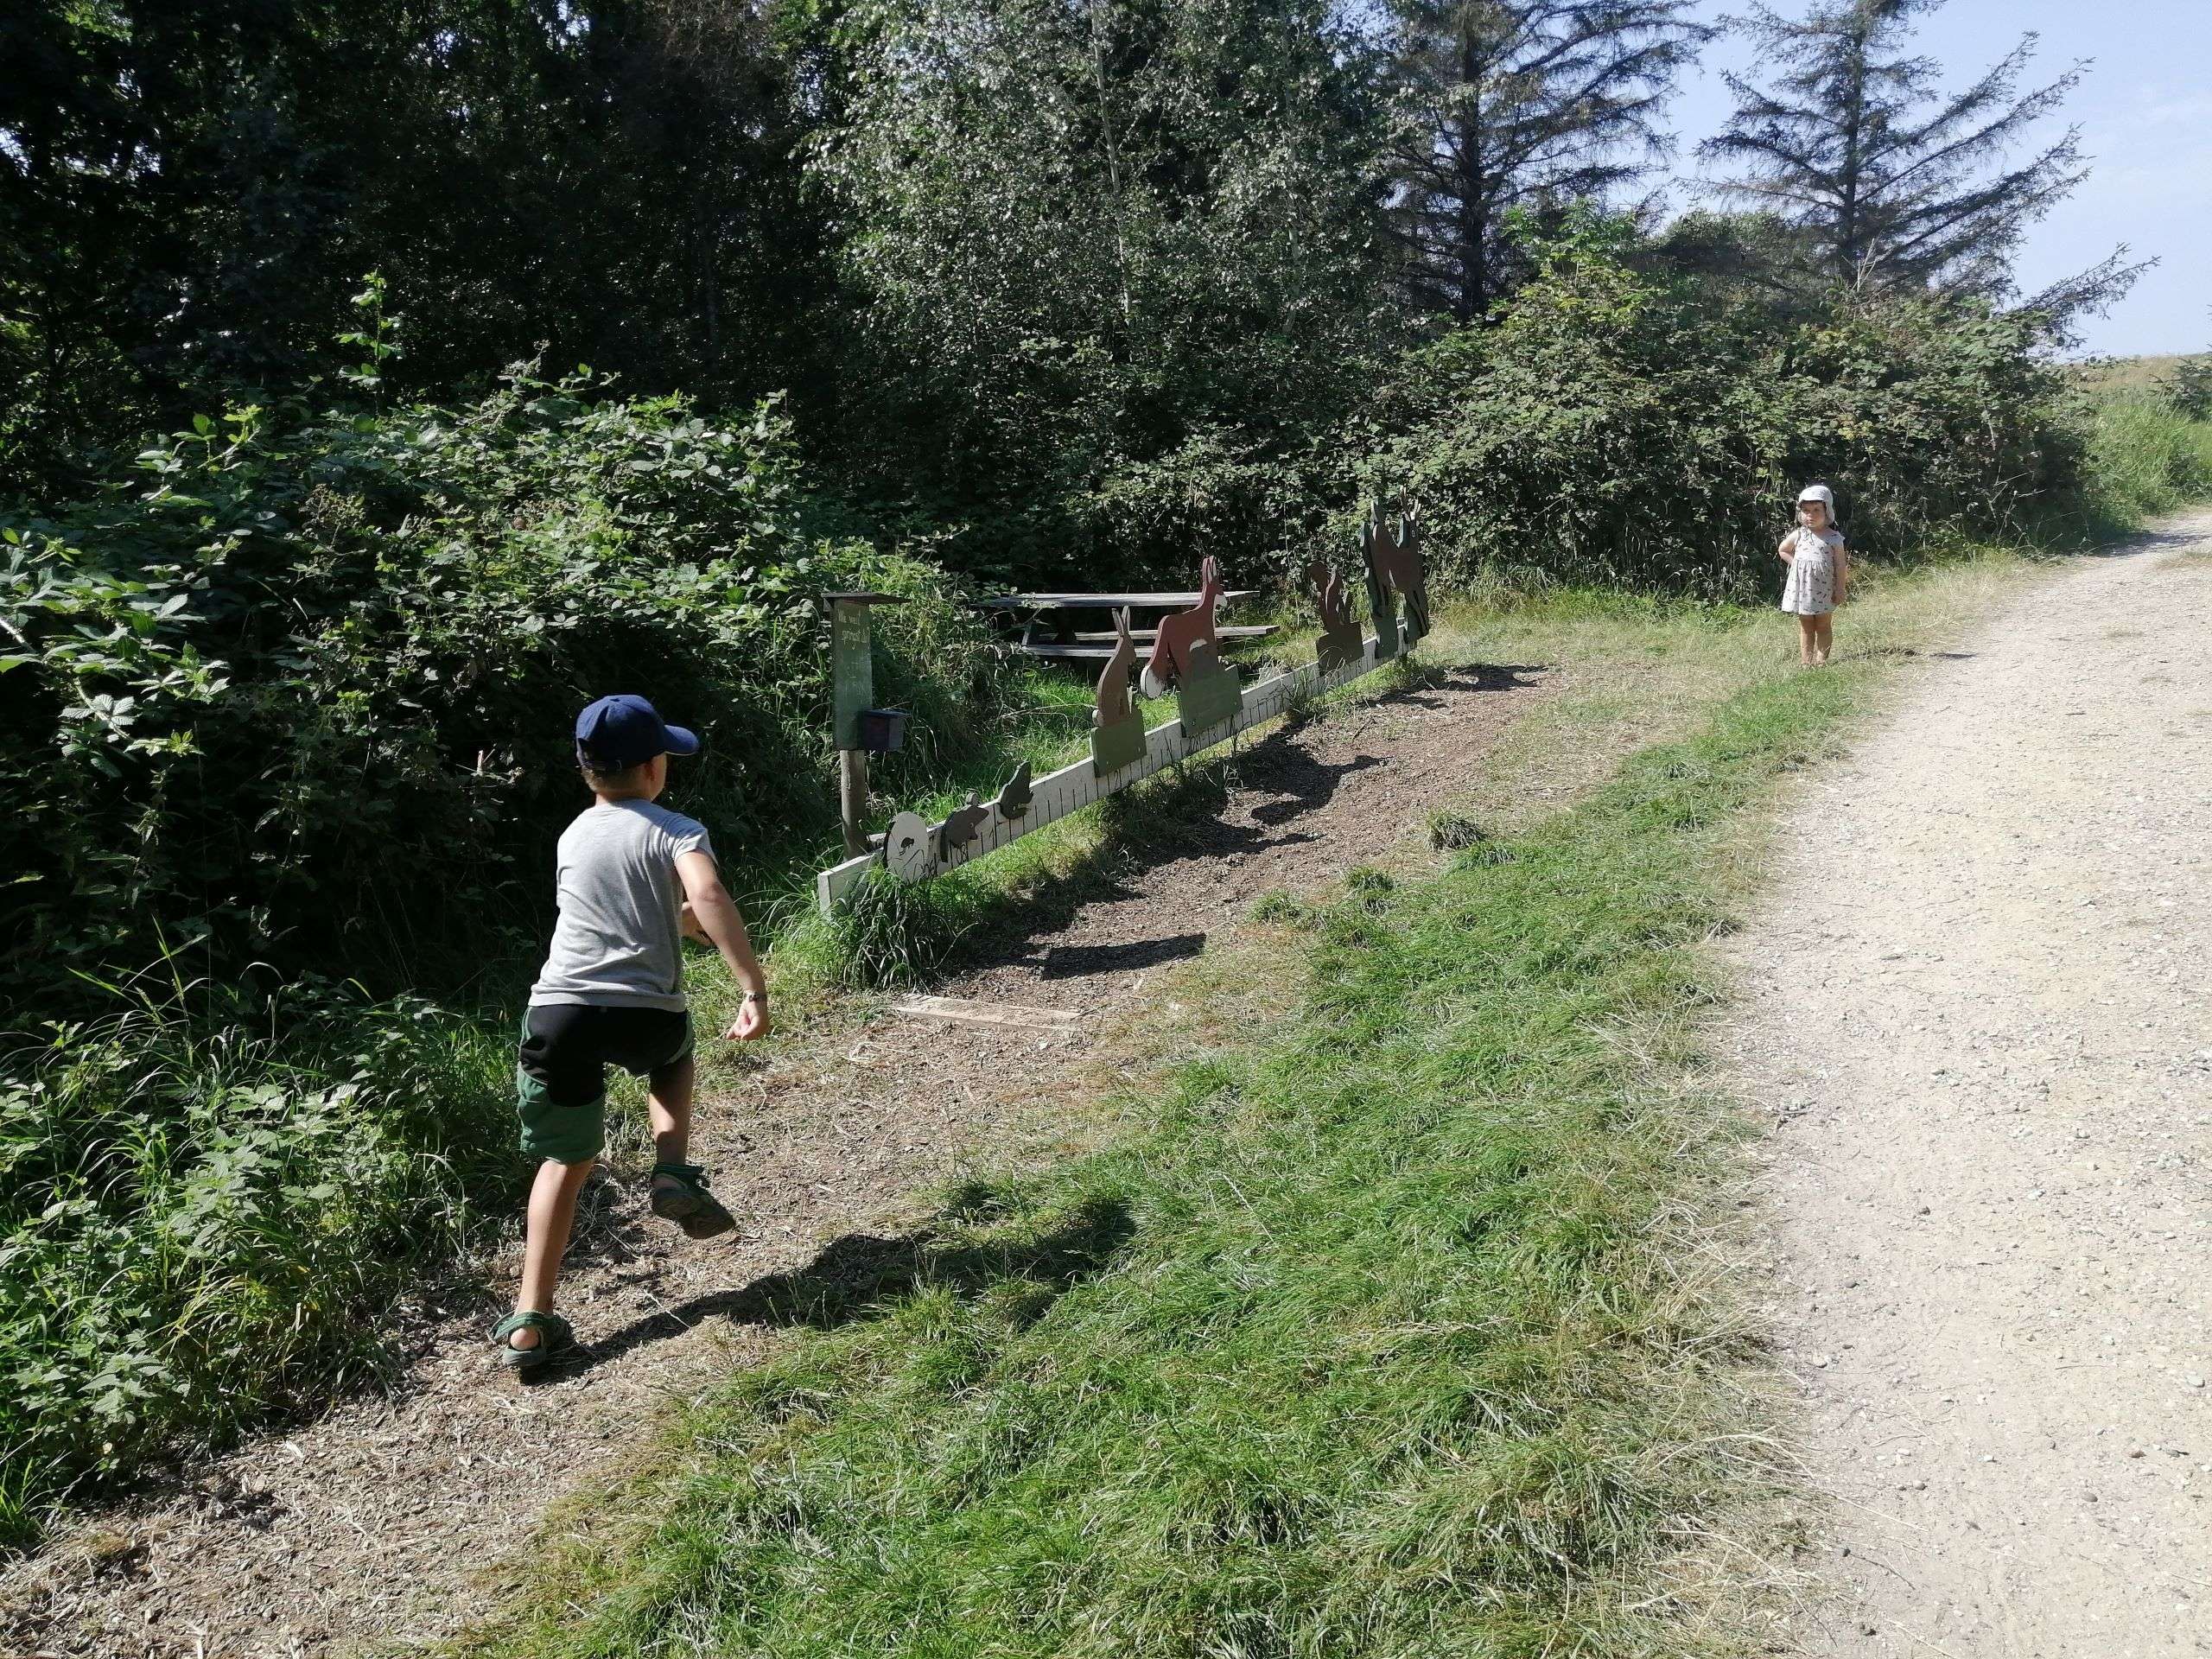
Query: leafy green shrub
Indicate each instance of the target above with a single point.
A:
(307, 698)
(1616, 427)
(197, 1224)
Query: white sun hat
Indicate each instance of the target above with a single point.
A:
(1819, 493)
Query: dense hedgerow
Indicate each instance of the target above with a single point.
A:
(1626, 427)
(299, 690)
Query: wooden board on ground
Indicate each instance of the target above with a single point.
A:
(985, 1013)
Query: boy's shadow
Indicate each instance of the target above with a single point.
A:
(1426, 679)
(854, 1276)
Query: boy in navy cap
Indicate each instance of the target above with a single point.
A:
(633, 878)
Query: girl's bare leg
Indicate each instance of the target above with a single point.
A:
(552, 1214)
(1823, 637)
(1808, 637)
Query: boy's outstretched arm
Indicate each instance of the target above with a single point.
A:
(714, 914)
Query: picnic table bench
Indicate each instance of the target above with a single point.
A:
(1048, 628)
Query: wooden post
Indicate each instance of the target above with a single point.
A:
(852, 685)
(852, 799)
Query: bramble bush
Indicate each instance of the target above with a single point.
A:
(300, 692)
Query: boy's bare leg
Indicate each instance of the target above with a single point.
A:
(670, 1107)
(681, 1197)
(552, 1214)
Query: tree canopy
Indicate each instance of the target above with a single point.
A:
(1518, 104)
(1897, 182)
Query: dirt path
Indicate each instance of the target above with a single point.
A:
(387, 1519)
(1982, 1013)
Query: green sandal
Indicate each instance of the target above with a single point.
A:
(554, 1337)
(680, 1195)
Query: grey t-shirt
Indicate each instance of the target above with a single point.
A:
(618, 943)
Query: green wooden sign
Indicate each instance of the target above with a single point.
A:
(1209, 697)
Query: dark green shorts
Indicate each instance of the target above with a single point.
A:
(561, 1073)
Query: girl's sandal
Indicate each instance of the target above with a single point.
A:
(680, 1195)
(554, 1337)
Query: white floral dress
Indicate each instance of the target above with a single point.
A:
(1810, 590)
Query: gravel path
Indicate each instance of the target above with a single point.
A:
(1980, 1014)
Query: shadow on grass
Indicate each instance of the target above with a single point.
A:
(857, 1276)
(1180, 816)
(1423, 679)
(1884, 652)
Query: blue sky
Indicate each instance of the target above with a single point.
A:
(2145, 114)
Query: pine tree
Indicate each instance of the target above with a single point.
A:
(1533, 104)
(1897, 183)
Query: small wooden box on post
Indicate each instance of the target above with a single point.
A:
(852, 683)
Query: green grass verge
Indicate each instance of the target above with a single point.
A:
(2145, 458)
(1403, 1329)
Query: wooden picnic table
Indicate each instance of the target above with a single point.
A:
(1048, 629)
(1103, 602)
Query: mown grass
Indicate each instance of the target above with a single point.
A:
(1404, 1327)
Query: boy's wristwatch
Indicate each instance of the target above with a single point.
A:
(756, 996)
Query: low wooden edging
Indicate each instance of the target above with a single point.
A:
(1074, 787)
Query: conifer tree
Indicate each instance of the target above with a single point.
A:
(1898, 183)
(1533, 104)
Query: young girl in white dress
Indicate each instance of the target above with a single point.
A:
(1820, 571)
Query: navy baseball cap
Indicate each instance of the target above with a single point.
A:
(618, 733)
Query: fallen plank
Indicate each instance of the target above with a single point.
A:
(984, 1013)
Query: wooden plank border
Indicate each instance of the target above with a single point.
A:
(1074, 787)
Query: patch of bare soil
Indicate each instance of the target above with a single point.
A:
(1979, 1019)
(389, 1520)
